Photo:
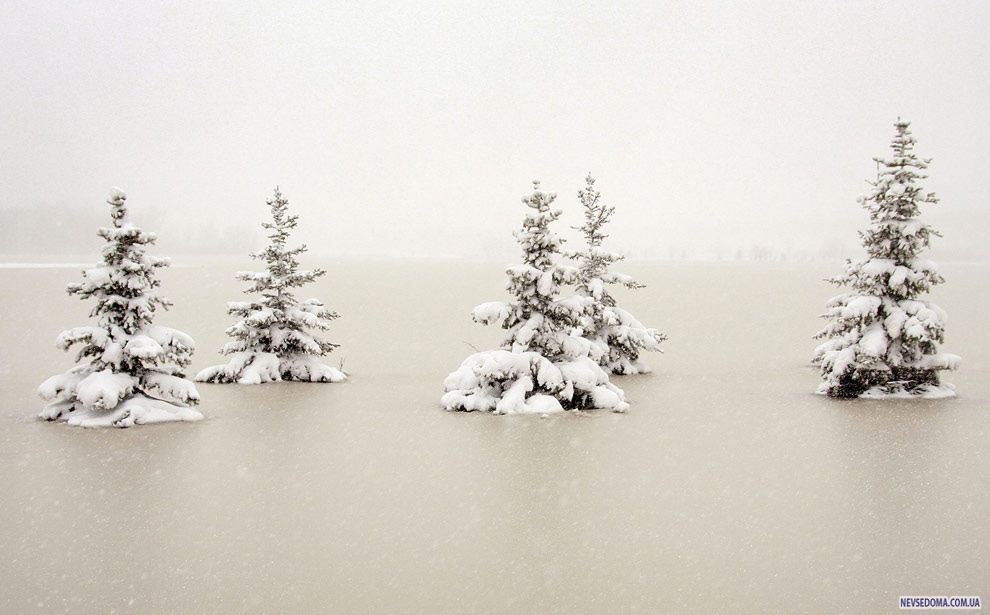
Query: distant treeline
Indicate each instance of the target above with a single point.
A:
(54, 230)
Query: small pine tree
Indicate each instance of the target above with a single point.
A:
(618, 333)
(882, 339)
(535, 320)
(272, 341)
(545, 364)
(129, 370)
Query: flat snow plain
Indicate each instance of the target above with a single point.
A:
(728, 486)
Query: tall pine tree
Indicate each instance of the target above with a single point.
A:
(272, 341)
(882, 339)
(535, 319)
(618, 333)
(129, 370)
(544, 365)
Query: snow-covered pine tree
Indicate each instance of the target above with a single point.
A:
(618, 333)
(544, 365)
(129, 371)
(272, 341)
(882, 339)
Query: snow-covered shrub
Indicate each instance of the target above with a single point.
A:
(129, 370)
(545, 364)
(618, 333)
(272, 340)
(882, 340)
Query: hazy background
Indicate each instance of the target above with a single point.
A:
(727, 130)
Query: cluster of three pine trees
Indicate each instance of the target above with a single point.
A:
(130, 370)
(882, 339)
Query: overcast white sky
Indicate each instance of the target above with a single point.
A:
(413, 128)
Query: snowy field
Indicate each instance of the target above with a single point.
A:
(728, 486)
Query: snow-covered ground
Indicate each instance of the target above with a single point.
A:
(727, 486)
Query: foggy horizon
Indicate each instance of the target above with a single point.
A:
(413, 132)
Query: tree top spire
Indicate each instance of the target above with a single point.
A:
(539, 199)
(118, 206)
